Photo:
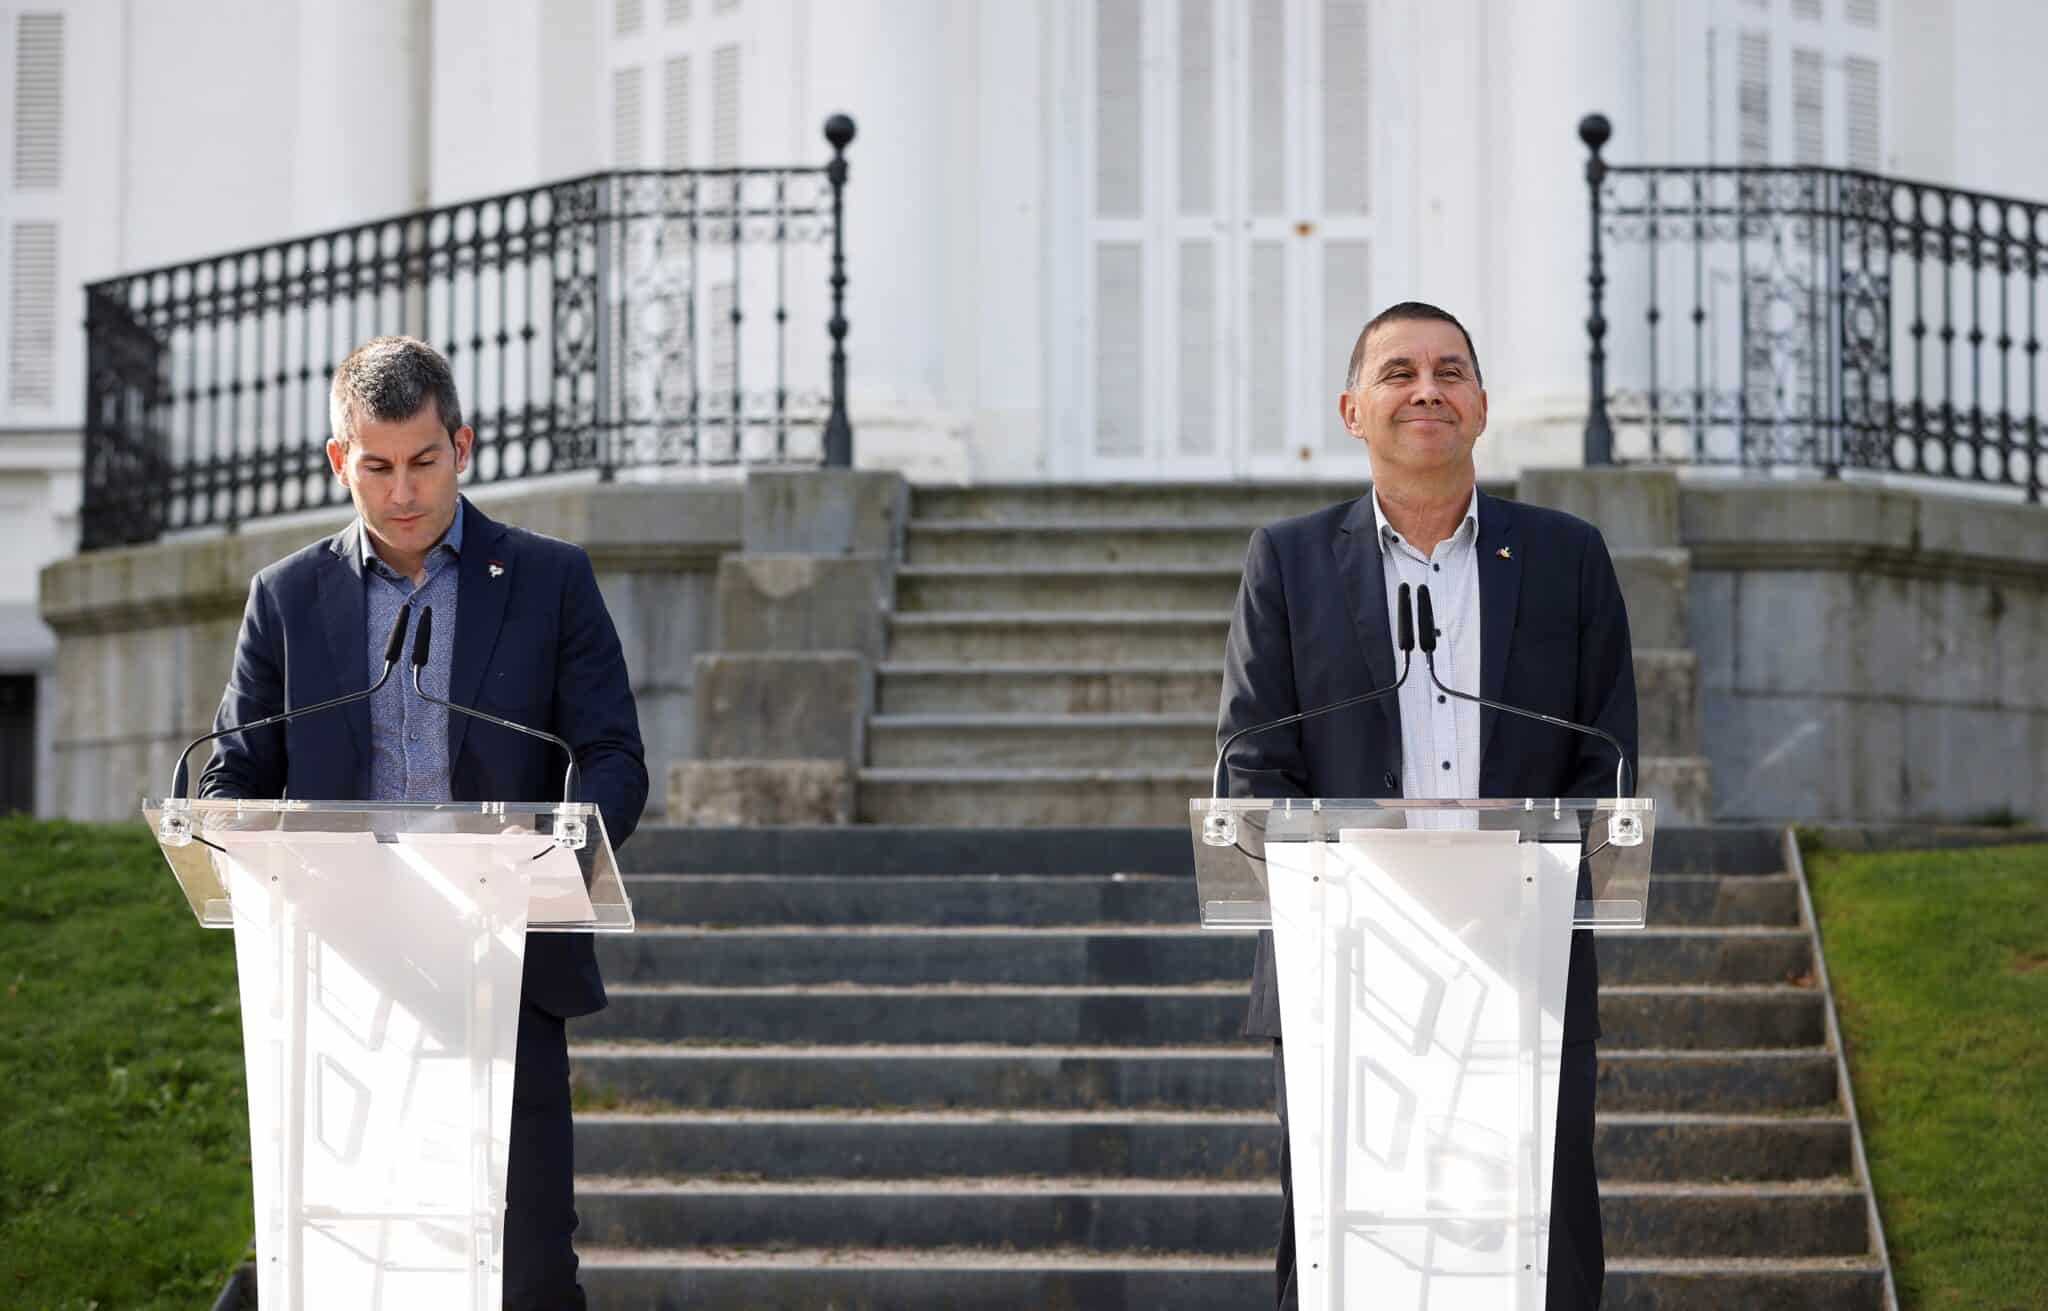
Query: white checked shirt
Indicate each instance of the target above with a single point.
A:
(1439, 734)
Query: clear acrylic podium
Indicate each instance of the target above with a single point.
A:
(1422, 948)
(379, 950)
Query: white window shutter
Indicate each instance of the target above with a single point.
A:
(628, 108)
(1266, 300)
(1196, 323)
(38, 102)
(1197, 117)
(1753, 98)
(1119, 114)
(1809, 125)
(678, 11)
(1809, 9)
(32, 315)
(725, 106)
(675, 113)
(1266, 158)
(1347, 108)
(1863, 13)
(628, 16)
(1347, 299)
(1119, 348)
(1863, 114)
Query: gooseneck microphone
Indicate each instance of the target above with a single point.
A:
(393, 645)
(1405, 642)
(1425, 618)
(420, 649)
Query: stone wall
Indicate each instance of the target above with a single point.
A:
(145, 635)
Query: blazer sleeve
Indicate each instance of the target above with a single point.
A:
(1258, 683)
(1606, 694)
(251, 765)
(594, 705)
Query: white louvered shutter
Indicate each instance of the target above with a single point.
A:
(30, 268)
(675, 112)
(629, 113)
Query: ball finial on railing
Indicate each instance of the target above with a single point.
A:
(1594, 130)
(839, 131)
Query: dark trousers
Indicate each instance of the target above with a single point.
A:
(540, 1174)
(1578, 1258)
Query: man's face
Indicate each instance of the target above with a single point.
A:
(402, 476)
(1417, 405)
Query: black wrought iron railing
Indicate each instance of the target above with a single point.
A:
(617, 321)
(1814, 317)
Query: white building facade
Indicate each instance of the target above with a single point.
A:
(1086, 239)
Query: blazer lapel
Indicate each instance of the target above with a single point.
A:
(1365, 594)
(479, 613)
(1500, 590)
(343, 614)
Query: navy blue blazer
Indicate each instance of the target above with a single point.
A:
(1310, 628)
(534, 645)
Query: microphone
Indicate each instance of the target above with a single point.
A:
(419, 661)
(1219, 828)
(1425, 617)
(392, 646)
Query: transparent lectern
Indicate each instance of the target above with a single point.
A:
(1422, 949)
(379, 949)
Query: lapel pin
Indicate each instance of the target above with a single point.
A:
(498, 570)
(1504, 553)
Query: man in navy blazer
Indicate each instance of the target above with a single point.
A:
(1528, 605)
(520, 630)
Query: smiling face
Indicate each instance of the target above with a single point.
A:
(402, 476)
(1416, 403)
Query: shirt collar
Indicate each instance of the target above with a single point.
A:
(1386, 530)
(452, 539)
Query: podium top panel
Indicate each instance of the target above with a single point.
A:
(561, 848)
(1613, 835)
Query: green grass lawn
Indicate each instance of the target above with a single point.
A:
(124, 1135)
(1940, 967)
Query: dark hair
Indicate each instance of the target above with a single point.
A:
(1408, 311)
(389, 379)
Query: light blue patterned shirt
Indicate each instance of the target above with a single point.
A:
(409, 737)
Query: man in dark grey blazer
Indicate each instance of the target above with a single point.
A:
(520, 630)
(1529, 613)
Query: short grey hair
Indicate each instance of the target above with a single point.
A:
(390, 379)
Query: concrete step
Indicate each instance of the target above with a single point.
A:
(1656, 588)
(1667, 1018)
(852, 1279)
(771, 900)
(1208, 1216)
(1237, 1145)
(958, 687)
(1025, 797)
(1133, 542)
(842, 1279)
(1031, 586)
(962, 636)
(747, 900)
(1172, 952)
(996, 741)
(1233, 1076)
(1239, 502)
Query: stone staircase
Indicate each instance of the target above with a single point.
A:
(898, 1068)
(1055, 654)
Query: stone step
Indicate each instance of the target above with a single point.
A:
(1239, 502)
(1172, 952)
(842, 1279)
(1665, 1018)
(1019, 586)
(1131, 542)
(958, 687)
(996, 741)
(895, 851)
(1209, 1216)
(729, 901)
(1238, 1145)
(1234, 1076)
(1135, 796)
(963, 636)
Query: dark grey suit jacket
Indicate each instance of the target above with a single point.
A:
(1311, 628)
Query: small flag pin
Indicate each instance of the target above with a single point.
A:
(497, 570)
(1504, 553)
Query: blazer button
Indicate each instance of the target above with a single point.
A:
(1389, 781)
